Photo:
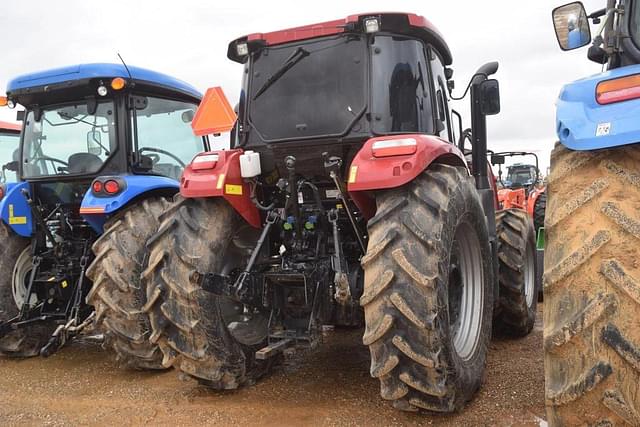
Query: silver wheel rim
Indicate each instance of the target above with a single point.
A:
(467, 323)
(20, 278)
(529, 275)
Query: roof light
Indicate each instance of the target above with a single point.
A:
(394, 147)
(11, 103)
(371, 25)
(242, 49)
(117, 83)
(204, 161)
(111, 187)
(618, 90)
(3, 101)
(102, 90)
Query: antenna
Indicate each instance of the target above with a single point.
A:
(125, 66)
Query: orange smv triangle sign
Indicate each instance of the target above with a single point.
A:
(214, 115)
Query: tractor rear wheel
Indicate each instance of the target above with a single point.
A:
(517, 273)
(592, 288)
(15, 269)
(539, 209)
(118, 295)
(428, 295)
(210, 338)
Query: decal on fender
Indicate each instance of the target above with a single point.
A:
(220, 181)
(235, 190)
(352, 174)
(603, 129)
(16, 220)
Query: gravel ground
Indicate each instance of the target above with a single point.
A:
(330, 386)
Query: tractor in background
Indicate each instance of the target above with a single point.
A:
(592, 274)
(102, 149)
(9, 141)
(522, 188)
(365, 203)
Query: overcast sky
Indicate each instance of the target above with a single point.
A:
(188, 39)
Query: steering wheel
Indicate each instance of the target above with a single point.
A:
(63, 168)
(155, 159)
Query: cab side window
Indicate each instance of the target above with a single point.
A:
(444, 128)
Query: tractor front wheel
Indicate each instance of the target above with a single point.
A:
(517, 273)
(428, 295)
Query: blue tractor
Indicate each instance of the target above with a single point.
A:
(102, 150)
(592, 267)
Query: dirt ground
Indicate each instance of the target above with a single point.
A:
(330, 386)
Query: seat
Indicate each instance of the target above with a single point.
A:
(84, 163)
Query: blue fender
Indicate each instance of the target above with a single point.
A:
(15, 211)
(583, 124)
(97, 209)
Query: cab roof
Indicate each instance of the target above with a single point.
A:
(396, 22)
(79, 72)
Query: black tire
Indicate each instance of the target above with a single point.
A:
(118, 295)
(592, 288)
(408, 300)
(196, 236)
(24, 342)
(539, 209)
(517, 273)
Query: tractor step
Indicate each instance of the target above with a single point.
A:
(274, 349)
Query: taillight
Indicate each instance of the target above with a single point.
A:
(2, 191)
(97, 187)
(204, 161)
(617, 90)
(394, 147)
(111, 187)
(108, 186)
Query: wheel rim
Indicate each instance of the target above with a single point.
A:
(466, 291)
(20, 279)
(529, 275)
(247, 325)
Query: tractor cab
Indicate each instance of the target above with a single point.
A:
(98, 141)
(9, 151)
(336, 84)
(521, 175)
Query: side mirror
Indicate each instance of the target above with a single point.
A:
(490, 97)
(497, 159)
(11, 166)
(572, 26)
(94, 142)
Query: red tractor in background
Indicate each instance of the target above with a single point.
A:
(522, 188)
(9, 142)
(345, 190)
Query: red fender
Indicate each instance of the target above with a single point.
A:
(375, 173)
(220, 178)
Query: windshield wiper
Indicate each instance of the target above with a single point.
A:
(292, 60)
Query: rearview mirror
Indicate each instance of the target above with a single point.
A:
(490, 97)
(94, 142)
(497, 159)
(572, 26)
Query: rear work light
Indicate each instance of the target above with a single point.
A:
(205, 161)
(394, 147)
(618, 90)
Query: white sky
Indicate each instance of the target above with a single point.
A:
(188, 39)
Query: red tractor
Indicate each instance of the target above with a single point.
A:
(345, 190)
(522, 187)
